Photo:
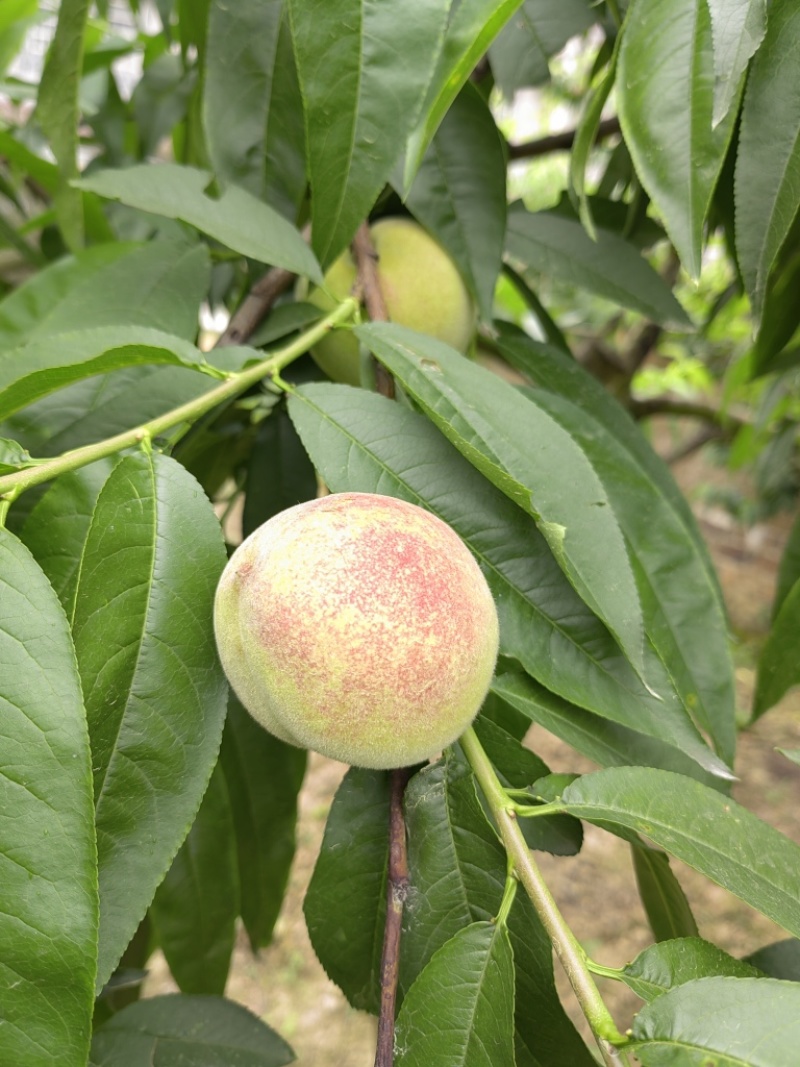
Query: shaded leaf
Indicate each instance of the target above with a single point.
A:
(459, 1011)
(668, 911)
(345, 905)
(779, 960)
(667, 114)
(263, 777)
(236, 218)
(257, 145)
(195, 908)
(740, 1021)
(585, 134)
(363, 442)
(155, 694)
(778, 666)
(459, 194)
(788, 572)
(58, 112)
(170, 1031)
(48, 924)
(160, 284)
(767, 183)
(536, 31)
(545, 242)
(356, 122)
(710, 832)
(13, 456)
(660, 968)
(279, 472)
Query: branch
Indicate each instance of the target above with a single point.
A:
(702, 437)
(369, 285)
(665, 405)
(566, 945)
(559, 142)
(257, 303)
(649, 334)
(255, 306)
(11, 485)
(396, 893)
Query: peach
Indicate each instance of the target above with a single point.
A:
(420, 284)
(358, 626)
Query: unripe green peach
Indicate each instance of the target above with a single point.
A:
(358, 626)
(421, 287)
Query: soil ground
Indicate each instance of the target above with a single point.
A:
(286, 985)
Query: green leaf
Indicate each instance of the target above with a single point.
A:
(160, 284)
(710, 832)
(155, 694)
(665, 92)
(259, 144)
(459, 194)
(538, 465)
(668, 911)
(458, 870)
(195, 908)
(660, 968)
(58, 112)
(730, 1022)
(537, 30)
(550, 370)
(362, 442)
(356, 122)
(545, 242)
(161, 100)
(767, 189)
(585, 134)
(471, 27)
(459, 1011)
(345, 905)
(47, 175)
(778, 666)
(780, 318)
(40, 367)
(236, 218)
(779, 960)
(48, 924)
(171, 1031)
(683, 615)
(55, 530)
(263, 777)
(606, 742)
(737, 29)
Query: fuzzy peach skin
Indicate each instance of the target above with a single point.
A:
(358, 626)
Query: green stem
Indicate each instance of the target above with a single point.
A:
(11, 485)
(566, 945)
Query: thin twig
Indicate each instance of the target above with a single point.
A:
(258, 303)
(687, 409)
(559, 142)
(396, 893)
(688, 448)
(567, 948)
(369, 285)
(255, 306)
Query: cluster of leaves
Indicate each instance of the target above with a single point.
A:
(142, 808)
